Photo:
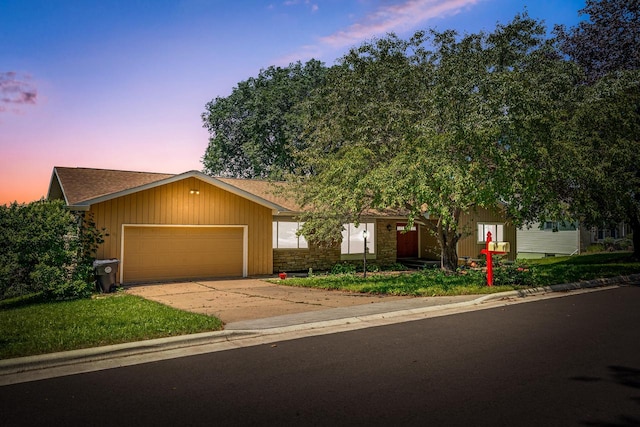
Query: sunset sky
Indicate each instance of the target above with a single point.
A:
(121, 84)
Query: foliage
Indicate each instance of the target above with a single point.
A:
(517, 274)
(557, 270)
(606, 168)
(34, 328)
(432, 133)
(595, 248)
(608, 41)
(343, 268)
(252, 131)
(46, 249)
(465, 281)
(604, 128)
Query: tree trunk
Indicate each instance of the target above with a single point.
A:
(635, 229)
(448, 240)
(449, 255)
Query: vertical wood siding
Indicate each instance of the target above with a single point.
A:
(173, 204)
(468, 246)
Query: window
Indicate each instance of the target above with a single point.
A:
(285, 235)
(559, 226)
(352, 240)
(497, 232)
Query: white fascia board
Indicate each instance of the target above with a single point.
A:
(54, 175)
(191, 174)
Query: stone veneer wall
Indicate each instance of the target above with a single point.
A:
(321, 259)
(303, 259)
(386, 243)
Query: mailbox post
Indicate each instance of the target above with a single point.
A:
(493, 248)
(364, 263)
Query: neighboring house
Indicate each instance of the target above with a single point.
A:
(187, 226)
(553, 238)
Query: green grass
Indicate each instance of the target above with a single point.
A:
(556, 270)
(29, 326)
(433, 282)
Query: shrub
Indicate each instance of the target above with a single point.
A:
(517, 274)
(609, 243)
(623, 245)
(596, 247)
(343, 268)
(396, 267)
(46, 249)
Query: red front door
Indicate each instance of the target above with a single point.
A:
(407, 246)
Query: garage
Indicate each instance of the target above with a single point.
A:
(158, 253)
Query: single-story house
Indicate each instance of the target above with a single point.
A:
(191, 225)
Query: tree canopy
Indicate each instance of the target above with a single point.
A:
(441, 124)
(608, 41)
(435, 132)
(252, 131)
(605, 125)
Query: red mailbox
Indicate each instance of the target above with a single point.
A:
(489, 251)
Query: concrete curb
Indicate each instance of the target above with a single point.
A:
(94, 354)
(89, 355)
(565, 287)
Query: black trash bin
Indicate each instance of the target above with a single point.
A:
(106, 273)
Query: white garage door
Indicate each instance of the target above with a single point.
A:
(156, 253)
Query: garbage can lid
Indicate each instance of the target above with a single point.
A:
(100, 262)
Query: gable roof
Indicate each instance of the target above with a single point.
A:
(267, 190)
(82, 187)
(76, 185)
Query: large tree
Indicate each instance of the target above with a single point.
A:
(606, 131)
(432, 132)
(609, 40)
(252, 131)
(605, 126)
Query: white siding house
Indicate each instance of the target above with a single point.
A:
(548, 239)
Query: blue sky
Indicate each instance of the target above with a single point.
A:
(122, 84)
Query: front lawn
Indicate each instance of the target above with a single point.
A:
(32, 327)
(433, 282)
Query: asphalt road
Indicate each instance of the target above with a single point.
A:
(556, 362)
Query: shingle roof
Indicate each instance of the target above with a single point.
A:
(80, 184)
(271, 191)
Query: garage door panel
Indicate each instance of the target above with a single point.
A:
(170, 253)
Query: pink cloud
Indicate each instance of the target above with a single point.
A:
(395, 18)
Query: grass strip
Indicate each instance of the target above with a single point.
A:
(46, 327)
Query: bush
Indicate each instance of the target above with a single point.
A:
(609, 243)
(595, 248)
(517, 274)
(343, 268)
(46, 249)
(623, 245)
(396, 267)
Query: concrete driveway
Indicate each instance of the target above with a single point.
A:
(247, 299)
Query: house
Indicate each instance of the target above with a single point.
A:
(555, 238)
(190, 225)
(551, 238)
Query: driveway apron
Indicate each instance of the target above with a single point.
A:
(247, 299)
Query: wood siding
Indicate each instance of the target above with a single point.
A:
(173, 204)
(468, 245)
